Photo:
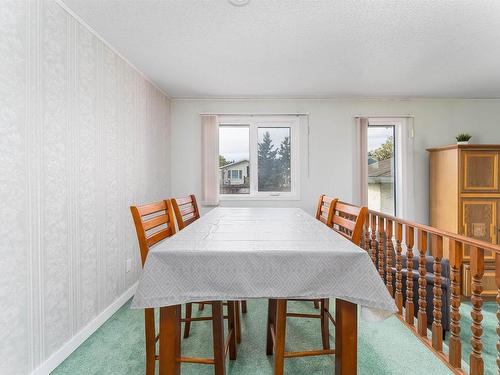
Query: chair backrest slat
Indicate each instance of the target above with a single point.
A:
(158, 236)
(146, 222)
(186, 210)
(151, 208)
(347, 209)
(324, 212)
(348, 220)
(155, 222)
(344, 223)
(184, 200)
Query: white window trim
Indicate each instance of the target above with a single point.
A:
(404, 162)
(254, 122)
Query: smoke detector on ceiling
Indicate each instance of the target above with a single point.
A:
(239, 3)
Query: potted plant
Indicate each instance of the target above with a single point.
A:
(463, 139)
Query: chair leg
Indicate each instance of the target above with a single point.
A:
(187, 325)
(244, 306)
(218, 337)
(201, 306)
(237, 316)
(279, 352)
(316, 304)
(325, 331)
(271, 324)
(231, 322)
(149, 328)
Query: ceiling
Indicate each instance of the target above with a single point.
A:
(305, 48)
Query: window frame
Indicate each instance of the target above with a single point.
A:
(255, 122)
(396, 154)
(403, 159)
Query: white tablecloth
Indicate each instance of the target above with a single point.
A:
(243, 253)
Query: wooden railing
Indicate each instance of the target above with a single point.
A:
(391, 243)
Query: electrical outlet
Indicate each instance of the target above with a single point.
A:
(129, 265)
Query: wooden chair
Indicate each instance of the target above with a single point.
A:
(186, 212)
(153, 223)
(324, 212)
(346, 219)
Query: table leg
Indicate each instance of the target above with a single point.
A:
(279, 351)
(346, 338)
(237, 321)
(170, 340)
(218, 337)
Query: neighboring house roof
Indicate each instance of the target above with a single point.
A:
(233, 164)
(381, 168)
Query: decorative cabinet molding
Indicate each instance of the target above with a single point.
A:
(83, 136)
(480, 221)
(480, 171)
(464, 198)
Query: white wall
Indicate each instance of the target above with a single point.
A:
(333, 139)
(82, 136)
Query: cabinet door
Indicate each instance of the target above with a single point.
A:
(480, 171)
(480, 221)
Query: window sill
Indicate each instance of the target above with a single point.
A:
(248, 197)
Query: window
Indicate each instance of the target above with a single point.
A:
(386, 178)
(381, 168)
(274, 160)
(258, 157)
(235, 174)
(234, 152)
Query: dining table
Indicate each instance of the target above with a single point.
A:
(273, 253)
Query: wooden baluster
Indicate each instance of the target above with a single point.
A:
(422, 283)
(437, 328)
(456, 253)
(381, 247)
(477, 271)
(399, 283)
(390, 249)
(497, 280)
(373, 253)
(409, 307)
(367, 234)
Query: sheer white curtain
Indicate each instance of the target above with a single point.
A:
(362, 131)
(209, 160)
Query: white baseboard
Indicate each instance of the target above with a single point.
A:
(69, 347)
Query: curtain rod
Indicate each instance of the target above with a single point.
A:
(254, 114)
(384, 116)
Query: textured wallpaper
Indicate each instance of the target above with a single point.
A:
(82, 136)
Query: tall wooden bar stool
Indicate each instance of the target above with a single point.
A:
(153, 223)
(324, 213)
(348, 220)
(186, 211)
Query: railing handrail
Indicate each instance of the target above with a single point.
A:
(457, 237)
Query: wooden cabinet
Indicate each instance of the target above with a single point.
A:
(464, 198)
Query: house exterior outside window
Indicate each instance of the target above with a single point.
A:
(234, 178)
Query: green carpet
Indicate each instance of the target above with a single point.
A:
(384, 348)
(489, 337)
